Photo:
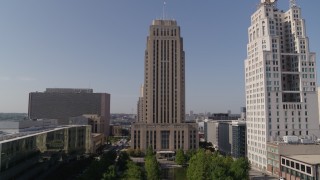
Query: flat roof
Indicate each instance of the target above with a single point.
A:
(309, 159)
(22, 135)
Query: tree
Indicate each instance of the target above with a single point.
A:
(180, 157)
(98, 167)
(240, 169)
(205, 165)
(133, 172)
(110, 174)
(122, 161)
(220, 167)
(190, 153)
(199, 166)
(152, 168)
(149, 151)
(130, 151)
(137, 153)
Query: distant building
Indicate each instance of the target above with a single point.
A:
(95, 121)
(229, 137)
(163, 125)
(224, 116)
(63, 103)
(119, 130)
(140, 106)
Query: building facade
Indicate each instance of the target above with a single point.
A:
(277, 149)
(25, 155)
(63, 103)
(229, 137)
(300, 167)
(162, 123)
(280, 80)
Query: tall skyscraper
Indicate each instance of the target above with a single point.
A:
(280, 78)
(162, 123)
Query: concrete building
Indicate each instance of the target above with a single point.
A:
(298, 167)
(163, 125)
(140, 106)
(229, 137)
(280, 79)
(63, 103)
(277, 149)
(119, 130)
(28, 155)
(11, 127)
(94, 120)
(224, 116)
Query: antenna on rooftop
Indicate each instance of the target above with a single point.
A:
(164, 10)
(293, 3)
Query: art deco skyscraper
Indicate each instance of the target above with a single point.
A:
(280, 78)
(164, 74)
(161, 123)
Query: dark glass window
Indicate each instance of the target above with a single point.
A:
(287, 162)
(308, 169)
(292, 164)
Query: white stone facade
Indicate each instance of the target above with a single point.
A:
(280, 79)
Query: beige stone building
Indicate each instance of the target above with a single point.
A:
(161, 110)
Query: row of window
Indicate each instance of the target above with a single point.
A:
(296, 165)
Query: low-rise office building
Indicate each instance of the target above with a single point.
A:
(277, 149)
(26, 154)
(300, 167)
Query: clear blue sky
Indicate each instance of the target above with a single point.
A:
(100, 44)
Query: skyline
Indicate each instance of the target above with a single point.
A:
(79, 44)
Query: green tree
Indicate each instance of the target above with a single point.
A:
(190, 153)
(199, 166)
(98, 167)
(137, 153)
(152, 168)
(220, 168)
(110, 174)
(122, 161)
(130, 151)
(149, 151)
(133, 172)
(180, 157)
(240, 169)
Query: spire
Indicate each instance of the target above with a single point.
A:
(164, 10)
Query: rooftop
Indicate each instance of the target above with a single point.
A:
(309, 159)
(11, 137)
(161, 22)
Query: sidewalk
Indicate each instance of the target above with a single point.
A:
(257, 175)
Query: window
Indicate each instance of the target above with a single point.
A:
(165, 139)
(292, 164)
(308, 169)
(287, 162)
